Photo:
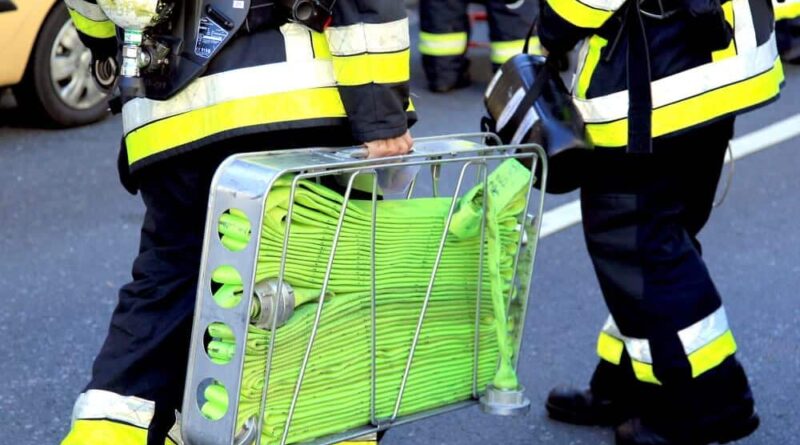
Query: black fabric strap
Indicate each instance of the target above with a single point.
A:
(640, 98)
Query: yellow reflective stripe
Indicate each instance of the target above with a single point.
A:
(98, 30)
(89, 10)
(644, 372)
(712, 354)
(182, 129)
(105, 432)
(502, 51)
(730, 51)
(610, 348)
(450, 44)
(322, 50)
(595, 48)
(696, 110)
(372, 68)
(787, 11)
(580, 14)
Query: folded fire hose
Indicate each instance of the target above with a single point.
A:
(336, 391)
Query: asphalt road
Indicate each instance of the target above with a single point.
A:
(70, 233)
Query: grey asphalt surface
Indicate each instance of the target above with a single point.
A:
(70, 232)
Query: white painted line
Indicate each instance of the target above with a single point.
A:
(569, 214)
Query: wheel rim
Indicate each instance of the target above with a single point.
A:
(70, 70)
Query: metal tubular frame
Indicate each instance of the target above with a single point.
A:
(243, 182)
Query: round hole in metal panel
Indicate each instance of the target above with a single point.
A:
(226, 287)
(212, 399)
(220, 343)
(234, 230)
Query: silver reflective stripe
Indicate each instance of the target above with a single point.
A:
(685, 85)
(531, 117)
(175, 432)
(88, 10)
(606, 5)
(369, 38)
(704, 331)
(744, 30)
(97, 404)
(494, 81)
(297, 40)
(231, 85)
(510, 109)
(638, 348)
(692, 338)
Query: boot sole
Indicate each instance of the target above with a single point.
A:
(561, 415)
(746, 428)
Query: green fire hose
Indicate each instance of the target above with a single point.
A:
(337, 390)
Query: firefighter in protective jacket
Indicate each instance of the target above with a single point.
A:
(787, 29)
(444, 37)
(658, 85)
(275, 85)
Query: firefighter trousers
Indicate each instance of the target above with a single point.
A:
(445, 30)
(667, 347)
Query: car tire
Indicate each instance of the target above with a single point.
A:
(41, 94)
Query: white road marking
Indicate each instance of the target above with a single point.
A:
(569, 214)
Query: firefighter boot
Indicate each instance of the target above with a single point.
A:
(637, 432)
(582, 407)
(607, 401)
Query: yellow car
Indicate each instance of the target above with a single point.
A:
(47, 65)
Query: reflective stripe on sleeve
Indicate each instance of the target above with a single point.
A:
(97, 29)
(369, 38)
(372, 68)
(585, 14)
(88, 10)
(450, 44)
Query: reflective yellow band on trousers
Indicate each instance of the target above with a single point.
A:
(502, 51)
(372, 68)
(787, 11)
(696, 110)
(610, 348)
(99, 30)
(450, 44)
(582, 14)
(707, 343)
(182, 129)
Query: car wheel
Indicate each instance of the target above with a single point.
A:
(58, 83)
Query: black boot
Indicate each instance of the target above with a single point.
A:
(581, 407)
(637, 432)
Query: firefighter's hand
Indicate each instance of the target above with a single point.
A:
(382, 148)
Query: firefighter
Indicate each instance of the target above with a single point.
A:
(444, 38)
(277, 85)
(787, 29)
(659, 85)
